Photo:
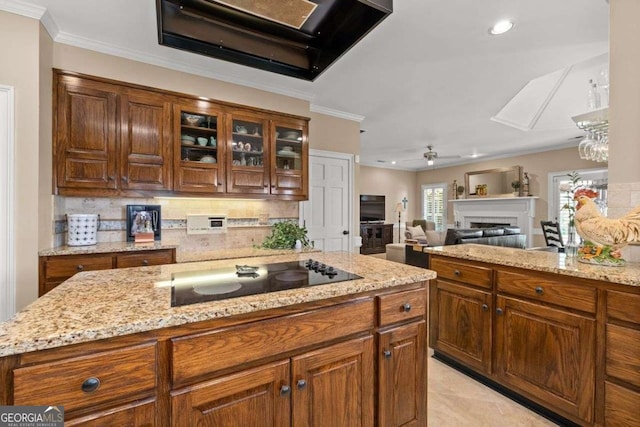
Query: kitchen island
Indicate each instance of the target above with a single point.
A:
(285, 357)
(556, 334)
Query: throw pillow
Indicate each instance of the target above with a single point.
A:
(416, 232)
(435, 238)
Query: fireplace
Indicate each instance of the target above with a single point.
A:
(491, 212)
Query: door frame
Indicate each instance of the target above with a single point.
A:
(350, 189)
(7, 193)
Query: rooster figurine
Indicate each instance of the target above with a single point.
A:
(603, 237)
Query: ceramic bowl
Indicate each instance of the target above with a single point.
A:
(287, 148)
(290, 135)
(192, 119)
(202, 141)
(208, 159)
(188, 138)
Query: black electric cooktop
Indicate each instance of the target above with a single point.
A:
(192, 287)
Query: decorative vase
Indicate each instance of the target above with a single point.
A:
(573, 243)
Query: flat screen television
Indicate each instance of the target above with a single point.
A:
(372, 208)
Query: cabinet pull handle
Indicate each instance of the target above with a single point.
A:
(90, 384)
(499, 310)
(301, 384)
(285, 390)
(456, 272)
(406, 307)
(111, 178)
(539, 290)
(387, 354)
(485, 307)
(265, 186)
(80, 267)
(145, 262)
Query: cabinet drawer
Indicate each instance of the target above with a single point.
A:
(622, 306)
(541, 289)
(620, 406)
(141, 259)
(63, 267)
(128, 372)
(199, 355)
(623, 354)
(401, 306)
(470, 274)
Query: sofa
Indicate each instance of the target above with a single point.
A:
(507, 236)
(419, 230)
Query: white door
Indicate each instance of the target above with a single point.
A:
(327, 214)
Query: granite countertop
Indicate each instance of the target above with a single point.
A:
(101, 304)
(540, 261)
(181, 255)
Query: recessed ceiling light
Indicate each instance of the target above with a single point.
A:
(393, 162)
(501, 27)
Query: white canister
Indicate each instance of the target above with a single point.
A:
(82, 229)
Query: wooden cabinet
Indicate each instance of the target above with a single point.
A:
(533, 333)
(461, 323)
(548, 353)
(98, 387)
(622, 360)
(145, 141)
(138, 414)
(58, 268)
(199, 148)
(375, 238)
(113, 138)
(85, 135)
(253, 397)
(334, 386)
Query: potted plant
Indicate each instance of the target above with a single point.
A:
(516, 187)
(285, 235)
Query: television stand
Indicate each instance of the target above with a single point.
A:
(375, 237)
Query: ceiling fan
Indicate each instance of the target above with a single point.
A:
(431, 156)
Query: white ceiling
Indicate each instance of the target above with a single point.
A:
(430, 74)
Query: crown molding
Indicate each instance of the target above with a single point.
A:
(336, 113)
(110, 49)
(21, 8)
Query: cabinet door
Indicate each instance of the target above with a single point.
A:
(402, 376)
(139, 414)
(289, 158)
(145, 141)
(199, 141)
(248, 154)
(85, 134)
(547, 353)
(333, 386)
(257, 397)
(461, 323)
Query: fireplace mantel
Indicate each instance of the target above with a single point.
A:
(517, 211)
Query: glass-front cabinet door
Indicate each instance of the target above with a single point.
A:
(290, 154)
(248, 154)
(201, 148)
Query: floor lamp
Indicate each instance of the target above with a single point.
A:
(399, 209)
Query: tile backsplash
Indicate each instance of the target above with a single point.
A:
(244, 225)
(621, 199)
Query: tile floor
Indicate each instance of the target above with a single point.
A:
(455, 400)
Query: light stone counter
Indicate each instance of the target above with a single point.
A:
(102, 304)
(540, 261)
(181, 255)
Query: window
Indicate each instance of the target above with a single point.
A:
(434, 204)
(591, 178)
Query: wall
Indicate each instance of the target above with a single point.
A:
(45, 146)
(537, 165)
(624, 126)
(20, 70)
(395, 185)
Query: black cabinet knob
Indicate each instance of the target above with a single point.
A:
(456, 272)
(345, 232)
(485, 307)
(301, 384)
(539, 290)
(285, 390)
(387, 354)
(145, 262)
(125, 179)
(80, 267)
(90, 384)
(406, 307)
(499, 311)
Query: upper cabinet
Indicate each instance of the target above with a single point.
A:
(113, 138)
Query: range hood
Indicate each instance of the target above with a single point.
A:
(297, 38)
